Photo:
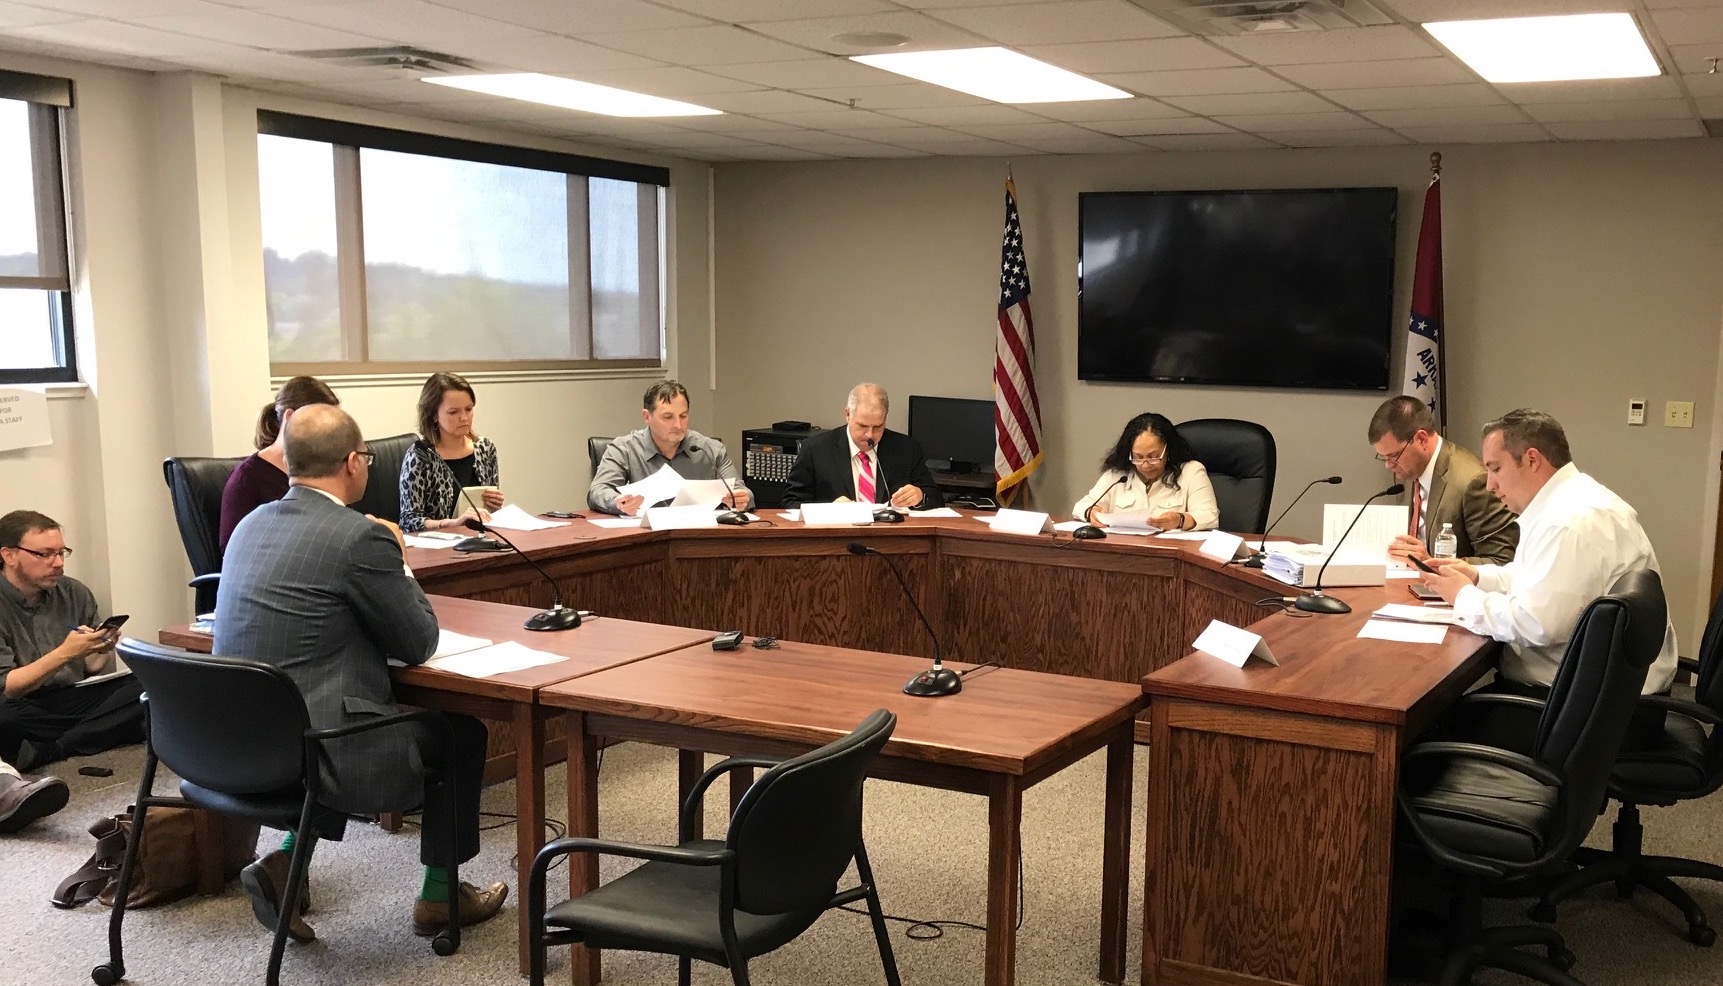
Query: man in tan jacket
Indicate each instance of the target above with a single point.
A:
(1446, 484)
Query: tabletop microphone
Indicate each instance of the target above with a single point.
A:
(938, 680)
(558, 616)
(1255, 560)
(733, 515)
(478, 543)
(1316, 602)
(886, 513)
(1089, 514)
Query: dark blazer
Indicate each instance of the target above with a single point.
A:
(822, 470)
(1486, 530)
(319, 591)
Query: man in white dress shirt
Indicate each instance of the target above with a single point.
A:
(1576, 539)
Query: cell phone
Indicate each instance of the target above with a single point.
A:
(564, 515)
(1419, 563)
(113, 623)
(1423, 591)
(727, 641)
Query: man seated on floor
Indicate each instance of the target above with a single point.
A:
(49, 643)
(23, 800)
(320, 591)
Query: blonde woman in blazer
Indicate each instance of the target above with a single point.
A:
(1151, 467)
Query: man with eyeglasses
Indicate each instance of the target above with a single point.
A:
(50, 641)
(1447, 486)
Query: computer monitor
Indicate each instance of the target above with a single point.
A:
(955, 433)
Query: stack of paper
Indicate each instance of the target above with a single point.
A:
(494, 660)
(1416, 614)
(513, 518)
(1127, 521)
(1299, 564)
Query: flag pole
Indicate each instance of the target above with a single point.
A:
(1441, 320)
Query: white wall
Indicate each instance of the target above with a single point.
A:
(1577, 276)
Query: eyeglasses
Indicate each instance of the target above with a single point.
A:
(62, 553)
(1392, 457)
(1143, 460)
(369, 456)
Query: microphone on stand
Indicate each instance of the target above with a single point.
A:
(477, 543)
(886, 514)
(1316, 602)
(938, 680)
(558, 616)
(733, 515)
(1089, 530)
(1255, 559)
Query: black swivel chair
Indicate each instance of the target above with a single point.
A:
(1240, 459)
(790, 840)
(595, 449)
(262, 766)
(195, 484)
(1685, 766)
(1489, 815)
(383, 490)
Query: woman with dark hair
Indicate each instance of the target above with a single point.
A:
(262, 477)
(1153, 468)
(447, 458)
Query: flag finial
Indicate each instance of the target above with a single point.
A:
(1435, 164)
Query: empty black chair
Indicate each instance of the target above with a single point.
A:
(383, 490)
(1240, 459)
(238, 735)
(1490, 815)
(595, 448)
(195, 484)
(791, 839)
(1686, 765)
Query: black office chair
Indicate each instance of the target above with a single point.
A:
(195, 484)
(383, 490)
(791, 839)
(1240, 459)
(595, 449)
(1685, 766)
(1491, 815)
(262, 766)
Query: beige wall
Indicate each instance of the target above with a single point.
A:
(1578, 276)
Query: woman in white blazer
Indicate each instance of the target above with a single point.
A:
(1151, 467)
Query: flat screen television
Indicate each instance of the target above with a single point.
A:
(955, 433)
(1270, 288)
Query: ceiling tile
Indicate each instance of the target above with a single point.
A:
(1372, 137)
(115, 36)
(15, 15)
(1198, 82)
(401, 91)
(907, 96)
(672, 81)
(1462, 116)
(1206, 142)
(129, 9)
(1109, 109)
(1638, 109)
(581, 17)
(1060, 23)
(259, 30)
(1260, 102)
(833, 119)
(980, 147)
(743, 11)
(924, 33)
(1416, 97)
(1693, 59)
(1085, 145)
(714, 44)
(1485, 134)
(1627, 129)
(731, 123)
(550, 53)
(701, 142)
(1703, 85)
(813, 73)
(955, 116)
(1378, 74)
(1657, 87)
(776, 153)
(1011, 132)
(1711, 107)
(1702, 25)
(414, 22)
(1676, 4)
(949, 4)
(1155, 127)
(1157, 55)
(918, 136)
(1423, 11)
(766, 101)
(1275, 123)
(1389, 41)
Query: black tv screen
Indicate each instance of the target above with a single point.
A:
(957, 432)
(1271, 288)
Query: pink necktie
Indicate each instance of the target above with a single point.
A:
(1417, 510)
(864, 485)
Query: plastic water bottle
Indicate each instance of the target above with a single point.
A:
(1447, 545)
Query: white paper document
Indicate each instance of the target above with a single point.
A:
(614, 522)
(434, 539)
(656, 488)
(512, 518)
(494, 660)
(1379, 525)
(1189, 535)
(449, 642)
(1232, 645)
(680, 518)
(701, 493)
(1126, 520)
(1406, 633)
(1415, 614)
(1064, 526)
(935, 512)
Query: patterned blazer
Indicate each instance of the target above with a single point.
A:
(320, 592)
(429, 490)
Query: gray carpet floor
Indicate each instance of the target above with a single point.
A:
(928, 847)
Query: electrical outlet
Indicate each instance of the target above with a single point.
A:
(1636, 411)
(1677, 414)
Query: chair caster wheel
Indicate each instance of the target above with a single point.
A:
(107, 974)
(445, 944)
(1702, 935)
(1561, 958)
(1542, 912)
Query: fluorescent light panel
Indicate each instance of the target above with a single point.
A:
(1550, 49)
(998, 74)
(569, 94)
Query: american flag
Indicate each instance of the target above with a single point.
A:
(1016, 407)
(1422, 374)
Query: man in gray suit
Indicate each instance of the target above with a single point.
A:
(320, 591)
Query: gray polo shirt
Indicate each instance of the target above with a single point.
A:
(634, 457)
(27, 632)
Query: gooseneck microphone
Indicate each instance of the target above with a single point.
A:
(1316, 602)
(937, 680)
(1255, 560)
(558, 616)
(1089, 514)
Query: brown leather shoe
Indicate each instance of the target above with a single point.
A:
(432, 916)
(23, 800)
(266, 882)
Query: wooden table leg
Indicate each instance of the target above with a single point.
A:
(584, 963)
(1116, 854)
(690, 764)
(1004, 841)
(528, 730)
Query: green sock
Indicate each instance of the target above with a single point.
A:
(288, 842)
(436, 887)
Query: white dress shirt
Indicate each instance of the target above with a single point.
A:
(1576, 539)
(1194, 496)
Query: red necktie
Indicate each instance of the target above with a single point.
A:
(1418, 510)
(864, 484)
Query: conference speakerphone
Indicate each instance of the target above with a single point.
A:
(767, 455)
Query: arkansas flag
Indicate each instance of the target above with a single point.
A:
(1422, 376)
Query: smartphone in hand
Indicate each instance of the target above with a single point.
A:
(1421, 565)
(113, 623)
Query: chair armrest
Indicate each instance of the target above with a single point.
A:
(1499, 698)
(1489, 754)
(432, 717)
(207, 578)
(1682, 707)
(692, 806)
(535, 901)
(1688, 665)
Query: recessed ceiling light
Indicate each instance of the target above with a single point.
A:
(1550, 49)
(998, 74)
(871, 39)
(569, 94)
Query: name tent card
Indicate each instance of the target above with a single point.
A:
(837, 514)
(1221, 546)
(1021, 521)
(1232, 645)
(679, 518)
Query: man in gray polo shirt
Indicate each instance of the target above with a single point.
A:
(666, 440)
